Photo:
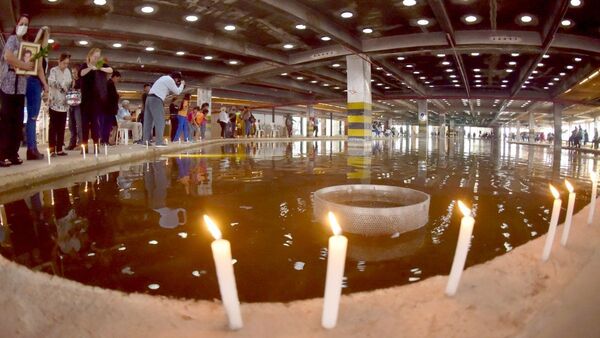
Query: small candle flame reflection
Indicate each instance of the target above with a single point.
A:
(554, 192)
(335, 226)
(212, 227)
(569, 186)
(463, 208)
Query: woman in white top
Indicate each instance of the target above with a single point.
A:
(223, 120)
(60, 81)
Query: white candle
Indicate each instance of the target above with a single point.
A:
(106, 150)
(553, 222)
(221, 250)
(147, 144)
(48, 154)
(569, 218)
(3, 220)
(336, 259)
(166, 140)
(594, 178)
(179, 141)
(83, 150)
(96, 149)
(462, 249)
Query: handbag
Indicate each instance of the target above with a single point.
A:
(74, 97)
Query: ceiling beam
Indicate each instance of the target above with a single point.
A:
(316, 20)
(112, 23)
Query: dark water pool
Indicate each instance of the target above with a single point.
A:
(139, 229)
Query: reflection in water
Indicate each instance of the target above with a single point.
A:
(138, 229)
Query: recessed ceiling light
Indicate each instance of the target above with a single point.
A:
(300, 26)
(233, 62)
(346, 14)
(409, 66)
(514, 54)
(300, 78)
(409, 3)
(422, 22)
(503, 86)
(229, 28)
(416, 72)
(455, 81)
(504, 81)
(325, 84)
(283, 74)
(400, 58)
(562, 74)
(288, 46)
(556, 79)
(446, 63)
(566, 23)
(387, 87)
(388, 74)
(372, 80)
(147, 9)
(570, 67)
(180, 53)
(525, 18)
(335, 65)
(100, 2)
(512, 63)
(50, 40)
(471, 18)
(535, 72)
(83, 42)
(208, 57)
(449, 70)
(191, 18)
(325, 38)
(550, 83)
(546, 88)
(476, 70)
(314, 81)
(52, 1)
(379, 68)
(477, 85)
(116, 45)
(474, 54)
(546, 56)
(441, 55)
(477, 81)
(456, 85)
(477, 75)
(527, 82)
(422, 77)
(367, 30)
(577, 59)
(510, 70)
(452, 76)
(149, 49)
(575, 3)
(540, 64)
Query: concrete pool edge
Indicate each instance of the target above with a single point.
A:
(513, 295)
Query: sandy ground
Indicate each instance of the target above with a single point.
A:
(514, 295)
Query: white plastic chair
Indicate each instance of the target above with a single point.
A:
(274, 131)
(123, 136)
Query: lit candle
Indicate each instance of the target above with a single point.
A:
(83, 150)
(336, 259)
(179, 141)
(166, 140)
(96, 149)
(48, 154)
(3, 221)
(147, 144)
(221, 250)
(594, 178)
(569, 219)
(553, 222)
(105, 149)
(462, 249)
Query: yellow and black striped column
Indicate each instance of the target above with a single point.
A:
(359, 121)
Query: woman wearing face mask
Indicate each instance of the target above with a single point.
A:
(35, 84)
(94, 94)
(12, 96)
(60, 82)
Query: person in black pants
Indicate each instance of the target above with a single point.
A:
(75, 116)
(112, 107)
(94, 92)
(60, 81)
(173, 112)
(12, 95)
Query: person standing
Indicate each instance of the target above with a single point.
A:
(60, 82)
(246, 120)
(94, 94)
(154, 115)
(203, 119)
(12, 95)
(182, 122)
(112, 107)
(223, 120)
(33, 94)
(75, 114)
(289, 123)
(140, 118)
(173, 112)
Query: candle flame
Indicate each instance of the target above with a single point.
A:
(569, 186)
(554, 192)
(212, 227)
(335, 226)
(463, 208)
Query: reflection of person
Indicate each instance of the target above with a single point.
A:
(60, 82)
(94, 92)
(35, 85)
(12, 96)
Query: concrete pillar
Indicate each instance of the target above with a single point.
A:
(443, 126)
(310, 113)
(213, 130)
(423, 118)
(557, 110)
(358, 70)
(531, 127)
(518, 126)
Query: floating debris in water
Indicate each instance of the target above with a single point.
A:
(299, 266)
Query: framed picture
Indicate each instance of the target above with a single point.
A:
(26, 53)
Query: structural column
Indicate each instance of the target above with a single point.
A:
(204, 95)
(531, 127)
(443, 126)
(423, 118)
(557, 110)
(359, 117)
